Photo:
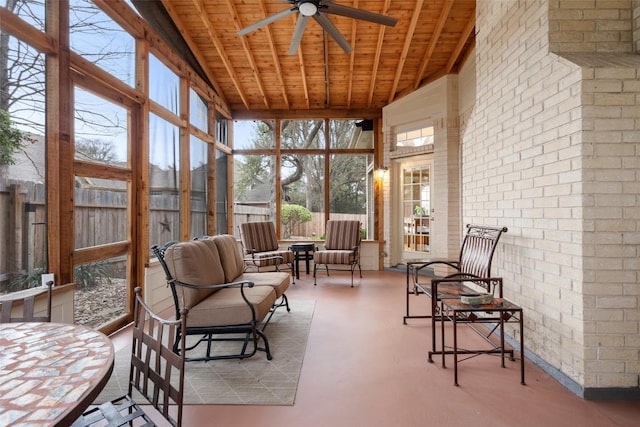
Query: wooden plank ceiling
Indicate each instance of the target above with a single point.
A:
(257, 77)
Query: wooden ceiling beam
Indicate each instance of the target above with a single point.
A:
(378, 54)
(217, 43)
(247, 52)
(444, 14)
(303, 70)
(331, 113)
(194, 49)
(405, 50)
(462, 41)
(276, 60)
(327, 76)
(352, 56)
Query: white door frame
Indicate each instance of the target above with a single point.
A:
(397, 234)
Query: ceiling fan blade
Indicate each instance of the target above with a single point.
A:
(331, 29)
(350, 12)
(266, 21)
(301, 24)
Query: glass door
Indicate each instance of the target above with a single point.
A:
(416, 208)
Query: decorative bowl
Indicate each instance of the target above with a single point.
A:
(476, 299)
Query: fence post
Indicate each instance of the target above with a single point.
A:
(16, 220)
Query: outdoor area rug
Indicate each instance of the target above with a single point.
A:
(251, 381)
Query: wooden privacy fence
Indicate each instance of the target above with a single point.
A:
(100, 217)
(312, 230)
(23, 246)
(315, 228)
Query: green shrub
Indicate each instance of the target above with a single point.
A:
(90, 276)
(27, 280)
(292, 215)
(10, 139)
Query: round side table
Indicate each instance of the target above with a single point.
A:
(302, 251)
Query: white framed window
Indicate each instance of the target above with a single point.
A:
(414, 137)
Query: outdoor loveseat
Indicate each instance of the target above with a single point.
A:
(225, 304)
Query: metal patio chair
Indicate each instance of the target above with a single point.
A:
(26, 299)
(156, 372)
(261, 248)
(474, 262)
(341, 247)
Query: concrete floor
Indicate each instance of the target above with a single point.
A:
(363, 367)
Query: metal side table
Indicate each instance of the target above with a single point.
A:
(302, 251)
(498, 312)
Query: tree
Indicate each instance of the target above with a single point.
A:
(347, 181)
(347, 184)
(253, 171)
(10, 139)
(22, 68)
(303, 177)
(96, 149)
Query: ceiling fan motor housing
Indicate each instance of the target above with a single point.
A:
(308, 8)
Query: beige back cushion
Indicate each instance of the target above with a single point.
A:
(230, 256)
(195, 262)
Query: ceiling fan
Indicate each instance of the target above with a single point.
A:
(318, 9)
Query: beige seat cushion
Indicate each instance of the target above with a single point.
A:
(278, 280)
(226, 307)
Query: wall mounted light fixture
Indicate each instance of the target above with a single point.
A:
(382, 171)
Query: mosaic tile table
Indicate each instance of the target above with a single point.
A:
(50, 373)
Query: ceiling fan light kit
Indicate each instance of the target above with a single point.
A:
(308, 8)
(318, 9)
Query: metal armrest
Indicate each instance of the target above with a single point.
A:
(241, 284)
(420, 265)
(417, 266)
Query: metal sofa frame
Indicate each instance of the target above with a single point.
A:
(249, 332)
